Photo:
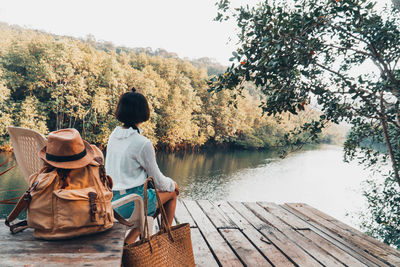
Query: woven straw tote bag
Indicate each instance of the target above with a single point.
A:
(171, 246)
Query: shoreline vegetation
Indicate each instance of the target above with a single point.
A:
(49, 82)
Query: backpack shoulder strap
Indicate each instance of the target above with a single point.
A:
(22, 204)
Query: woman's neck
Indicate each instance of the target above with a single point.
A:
(135, 127)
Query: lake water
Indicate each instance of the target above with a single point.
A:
(317, 176)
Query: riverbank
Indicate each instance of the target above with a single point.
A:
(210, 146)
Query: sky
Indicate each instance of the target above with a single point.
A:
(185, 27)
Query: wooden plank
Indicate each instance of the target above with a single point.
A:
(25, 242)
(348, 236)
(311, 233)
(218, 218)
(220, 249)
(182, 215)
(314, 250)
(104, 249)
(265, 246)
(57, 260)
(357, 252)
(352, 230)
(202, 254)
(290, 249)
(242, 246)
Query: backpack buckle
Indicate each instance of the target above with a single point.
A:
(93, 206)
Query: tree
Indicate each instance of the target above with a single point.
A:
(344, 55)
(48, 82)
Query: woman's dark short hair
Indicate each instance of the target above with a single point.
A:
(132, 108)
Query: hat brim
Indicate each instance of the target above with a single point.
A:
(76, 164)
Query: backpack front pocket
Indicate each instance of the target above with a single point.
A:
(76, 208)
(40, 211)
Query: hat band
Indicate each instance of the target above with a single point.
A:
(65, 158)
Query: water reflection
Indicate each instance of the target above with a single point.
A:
(207, 175)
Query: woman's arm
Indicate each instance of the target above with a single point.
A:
(148, 157)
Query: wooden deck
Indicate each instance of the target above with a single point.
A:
(266, 234)
(223, 234)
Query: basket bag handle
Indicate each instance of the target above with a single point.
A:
(164, 222)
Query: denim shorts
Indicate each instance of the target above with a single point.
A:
(127, 209)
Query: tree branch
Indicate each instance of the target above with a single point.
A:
(348, 33)
(386, 71)
(388, 144)
(352, 49)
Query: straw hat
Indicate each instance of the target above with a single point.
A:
(65, 149)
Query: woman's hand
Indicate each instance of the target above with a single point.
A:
(177, 191)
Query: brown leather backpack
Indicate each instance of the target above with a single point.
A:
(60, 207)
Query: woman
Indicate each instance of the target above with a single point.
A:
(131, 158)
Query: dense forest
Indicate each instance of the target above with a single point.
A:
(48, 82)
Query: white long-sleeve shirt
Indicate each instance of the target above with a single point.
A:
(131, 158)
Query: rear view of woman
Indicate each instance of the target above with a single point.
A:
(131, 158)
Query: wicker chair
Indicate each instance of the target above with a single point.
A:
(26, 144)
